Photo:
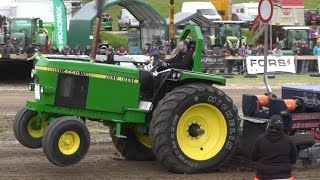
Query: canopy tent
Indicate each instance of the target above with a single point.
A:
(151, 22)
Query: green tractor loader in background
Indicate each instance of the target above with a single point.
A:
(15, 39)
(227, 33)
(25, 31)
(190, 125)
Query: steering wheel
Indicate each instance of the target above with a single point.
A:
(158, 64)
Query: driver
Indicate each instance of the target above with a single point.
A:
(183, 60)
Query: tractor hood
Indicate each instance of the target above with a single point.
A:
(98, 70)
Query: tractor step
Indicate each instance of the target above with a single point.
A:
(255, 120)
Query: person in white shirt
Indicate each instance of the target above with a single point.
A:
(277, 51)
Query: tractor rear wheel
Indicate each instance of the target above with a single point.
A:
(25, 128)
(136, 146)
(66, 141)
(194, 129)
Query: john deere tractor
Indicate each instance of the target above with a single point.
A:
(190, 125)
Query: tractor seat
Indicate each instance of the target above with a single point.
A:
(146, 89)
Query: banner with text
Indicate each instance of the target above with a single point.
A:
(60, 18)
(255, 64)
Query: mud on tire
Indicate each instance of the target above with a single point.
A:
(194, 129)
(131, 148)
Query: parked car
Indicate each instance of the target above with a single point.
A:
(247, 19)
(127, 20)
(311, 16)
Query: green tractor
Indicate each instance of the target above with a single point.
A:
(190, 125)
(227, 33)
(25, 31)
(107, 22)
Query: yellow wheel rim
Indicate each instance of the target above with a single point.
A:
(143, 138)
(36, 132)
(69, 142)
(201, 132)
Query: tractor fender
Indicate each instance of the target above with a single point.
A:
(176, 78)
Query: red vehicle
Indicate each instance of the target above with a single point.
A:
(311, 16)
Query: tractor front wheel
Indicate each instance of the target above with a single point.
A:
(194, 129)
(66, 141)
(26, 130)
(136, 146)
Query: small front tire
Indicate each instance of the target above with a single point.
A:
(66, 141)
(25, 130)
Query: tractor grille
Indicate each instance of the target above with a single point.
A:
(72, 91)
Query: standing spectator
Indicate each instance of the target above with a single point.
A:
(167, 48)
(224, 51)
(1, 22)
(316, 50)
(76, 50)
(254, 51)
(7, 49)
(243, 51)
(274, 152)
(67, 50)
(162, 53)
(30, 50)
(87, 51)
(145, 50)
(248, 48)
(313, 35)
(153, 50)
(277, 51)
(54, 50)
(110, 55)
(122, 51)
(305, 50)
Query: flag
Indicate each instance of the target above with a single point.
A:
(60, 18)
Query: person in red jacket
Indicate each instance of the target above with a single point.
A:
(274, 152)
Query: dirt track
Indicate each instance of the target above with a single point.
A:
(102, 161)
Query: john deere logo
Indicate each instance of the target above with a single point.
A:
(286, 11)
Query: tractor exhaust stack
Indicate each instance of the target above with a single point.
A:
(99, 5)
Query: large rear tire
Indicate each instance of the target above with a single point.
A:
(66, 141)
(136, 146)
(194, 129)
(25, 129)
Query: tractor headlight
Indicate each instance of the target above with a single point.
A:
(41, 89)
(175, 75)
(33, 73)
(37, 91)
